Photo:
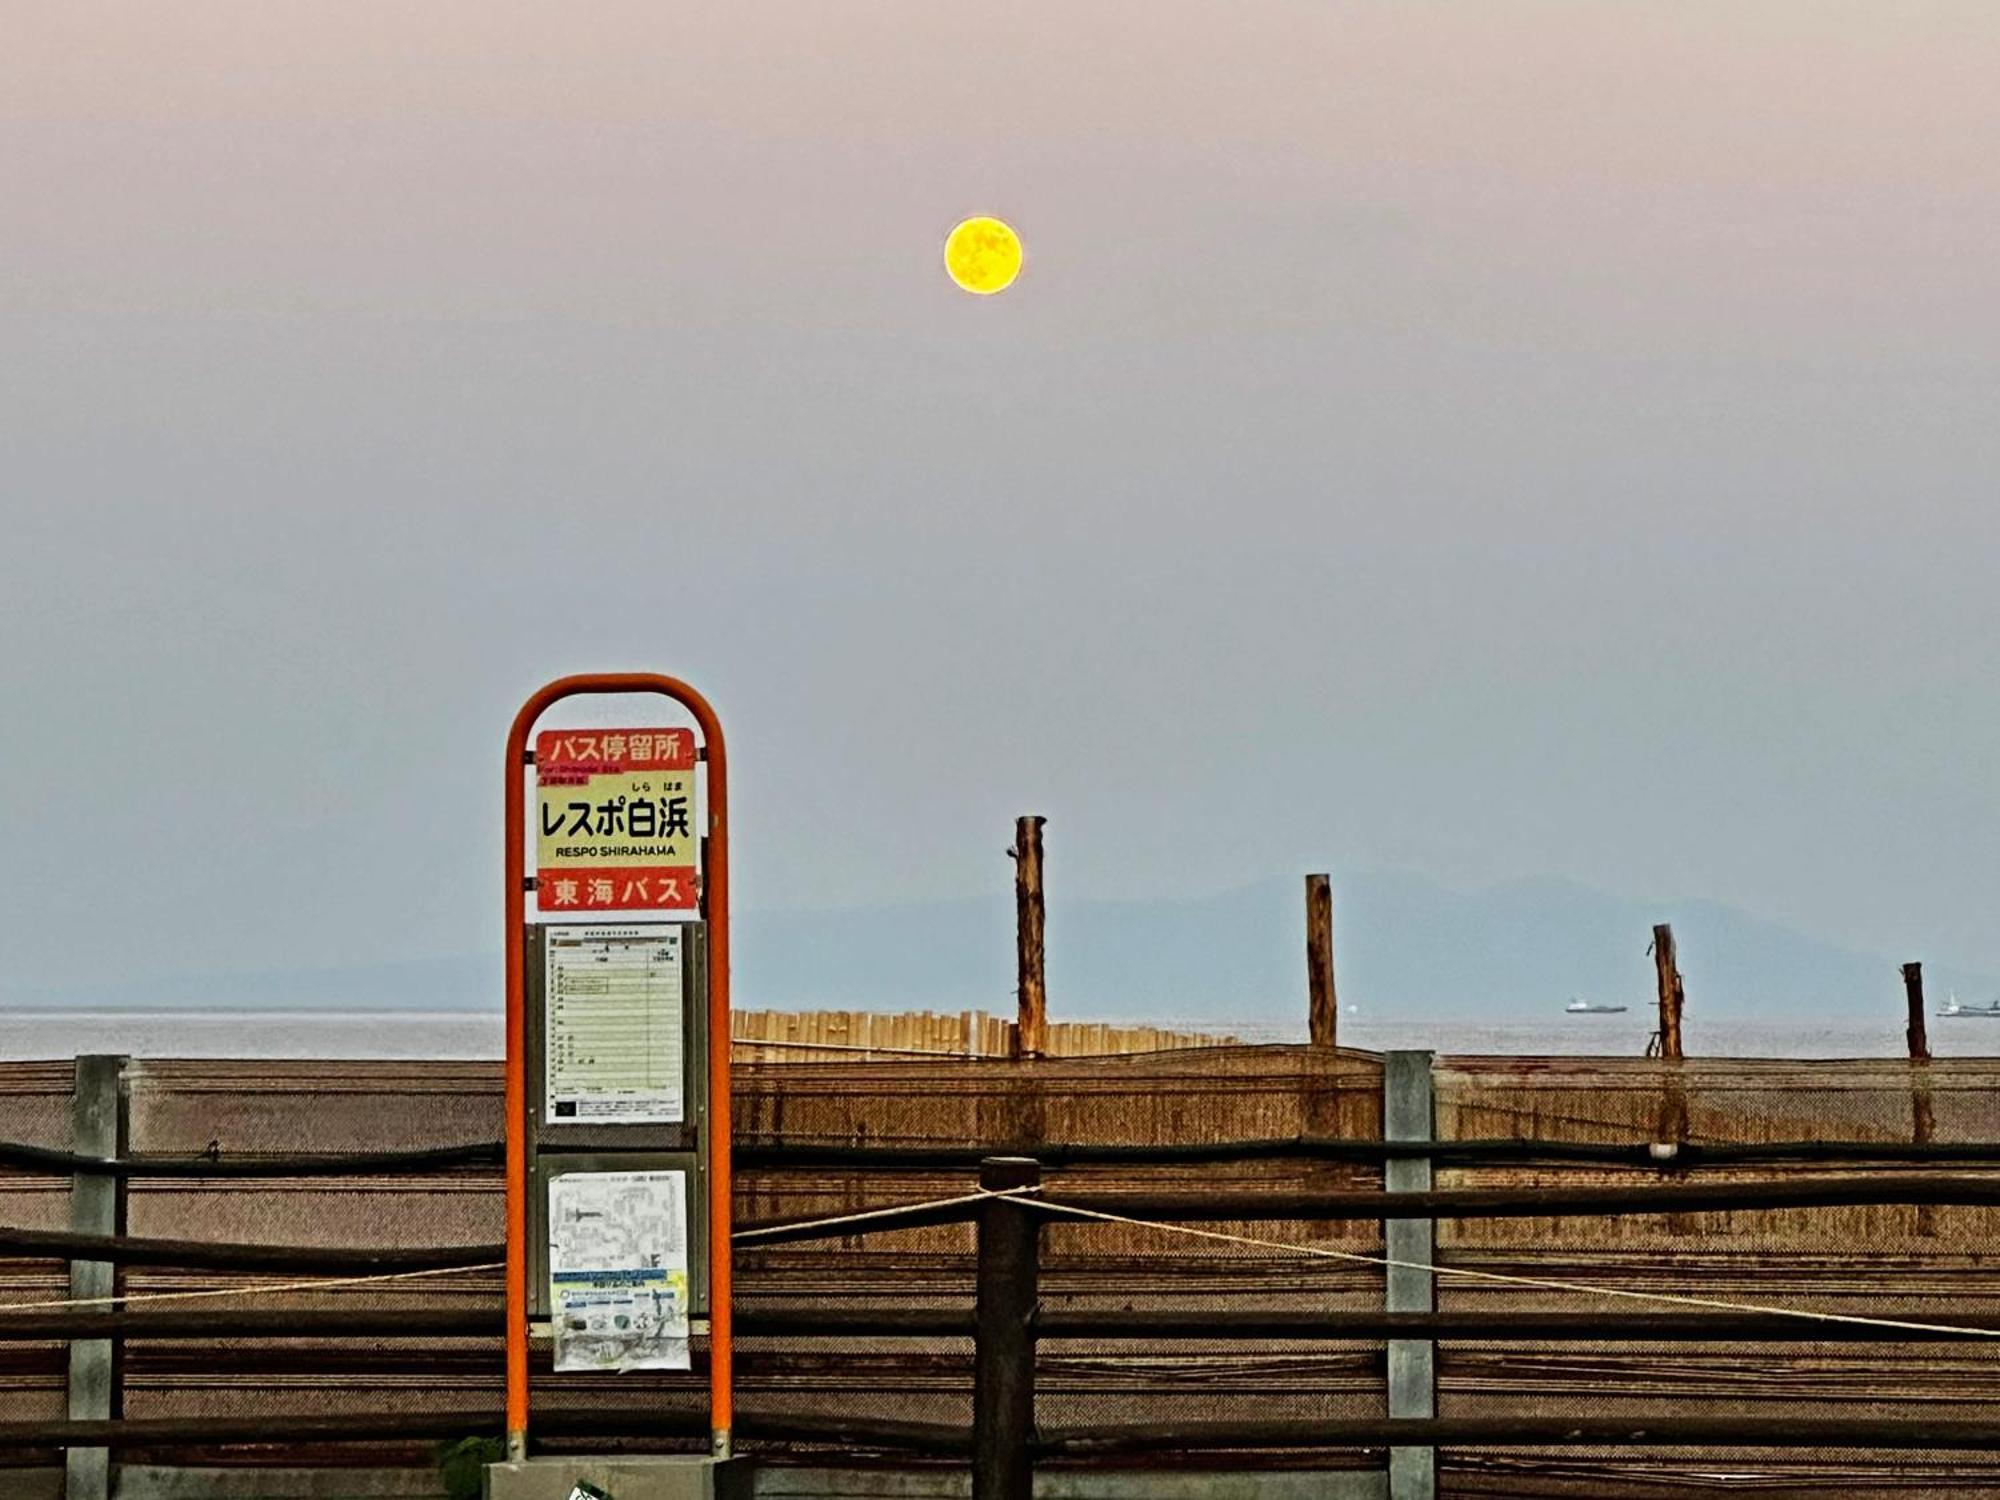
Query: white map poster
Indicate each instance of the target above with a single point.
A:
(613, 1050)
(618, 1270)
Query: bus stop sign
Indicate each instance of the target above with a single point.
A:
(615, 820)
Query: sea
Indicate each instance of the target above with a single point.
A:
(408, 1035)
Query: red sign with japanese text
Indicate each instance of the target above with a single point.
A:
(615, 820)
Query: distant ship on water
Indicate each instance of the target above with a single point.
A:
(1953, 1007)
(1578, 1006)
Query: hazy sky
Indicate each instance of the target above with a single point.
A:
(1487, 440)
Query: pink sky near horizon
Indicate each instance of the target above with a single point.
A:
(1764, 165)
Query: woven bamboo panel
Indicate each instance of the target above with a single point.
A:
(843, 1036)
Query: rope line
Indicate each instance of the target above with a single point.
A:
(751, 1236)
(1541, 1282)
(1321, 1252)
(320, 1285)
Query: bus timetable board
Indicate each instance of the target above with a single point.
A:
(617, 1074)
(614, 1034)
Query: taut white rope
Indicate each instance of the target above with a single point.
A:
(750, 1236)
(1320, 1252)
(1542, 1282)
(320, 1285)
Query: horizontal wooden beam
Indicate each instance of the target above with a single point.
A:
(139, 1250)
(957, 1323)
(26, 1158)
(639, 1423)
(1527, 1327)
(1687, 1156)
(220, 1322)
(1880, 1190)
(1776, 1431)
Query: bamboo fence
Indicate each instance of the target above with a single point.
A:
(855, 1035)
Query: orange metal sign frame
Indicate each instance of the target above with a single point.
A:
(715, 909)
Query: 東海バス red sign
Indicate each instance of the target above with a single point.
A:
(615, 820)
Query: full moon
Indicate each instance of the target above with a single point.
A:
(983, 256)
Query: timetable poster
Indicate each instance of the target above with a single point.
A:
(614, 1022)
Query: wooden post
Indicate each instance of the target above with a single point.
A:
(1322, 1007)
(96, 1206)
(1913, 993)
(1321, 1113)
(1672, 996)
(1923, 1122)
(1003, 1360)
(1674, 1099)
(1031, 1035)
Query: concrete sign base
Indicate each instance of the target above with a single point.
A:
(664, 1478)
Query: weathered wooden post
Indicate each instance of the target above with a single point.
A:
(1674, 1103)
(1320, 1116)
(1913, 995)
(1923, 1123)
(1003, 1361)
(1322, 1007)
(1031, 1031)
(1672, 995)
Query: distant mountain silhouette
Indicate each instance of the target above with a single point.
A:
(1406, 946)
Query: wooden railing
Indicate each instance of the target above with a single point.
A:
(1010, 1315)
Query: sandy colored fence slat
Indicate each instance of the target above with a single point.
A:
(844, 1036)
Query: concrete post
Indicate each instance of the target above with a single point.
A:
(1408, 1114)
(96, 1206)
